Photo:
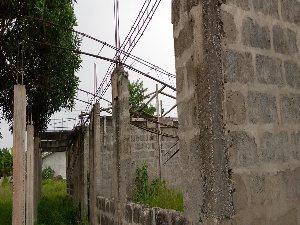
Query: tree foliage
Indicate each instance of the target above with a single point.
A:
(49, 73)
(137, 100)
(6, 162)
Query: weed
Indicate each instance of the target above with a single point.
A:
(54, 207)
(156, 193)
(48, 173)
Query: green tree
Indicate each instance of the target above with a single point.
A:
(6, 162)
(49, 73)
(137, 100)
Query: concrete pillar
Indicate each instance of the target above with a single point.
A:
(84, 210)
(97, 155)
(122, 169)
(206, 184)
(19, 140)
(39, 174)
(92, 197)
(36, 172)
(30, 176)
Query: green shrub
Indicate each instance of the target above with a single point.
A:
(156, 193)
(48, 173)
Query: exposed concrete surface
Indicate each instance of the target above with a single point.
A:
(31, 195)
(122, 167)
(19, 140)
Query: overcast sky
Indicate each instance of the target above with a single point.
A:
(96, 18)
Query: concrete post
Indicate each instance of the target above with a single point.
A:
(84, 210)
(30, 176)
(96, 156)
(36, 172)
(206, 184)
(39, 172)
(92, 197)
(122, 170)
(19, 140)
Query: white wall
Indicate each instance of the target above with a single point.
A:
(56, 161)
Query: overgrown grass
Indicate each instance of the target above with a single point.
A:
(156, 193)
(5, 202)
(54, 207)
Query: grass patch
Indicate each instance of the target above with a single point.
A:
(156, 193)
(54, 207)
(6, 202)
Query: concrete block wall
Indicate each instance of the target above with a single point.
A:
(261, 67)
(136, 214)
(238, 71)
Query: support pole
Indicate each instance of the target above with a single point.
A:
(158, 136)
(96, 158)
(19, 140)
(30, 176)
(84, 211)
(122, 169)
(36, 178)
(92, 208)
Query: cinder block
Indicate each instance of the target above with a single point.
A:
(137, 210)
(185, 38)
(257, 189)
(242, 149)
(244, 4)
(235, 107)
(290, 11)
(229, 27)
(295, 139)
(161, 217)
(175, 12)
(285, 40)
(238, 67)
(290, 108)
(128, 212)
(262, 108)
(289, 218)
(274, 147)
(240, 195)
(292, 74)
(269, 7)
(269, 70)
(255, 35)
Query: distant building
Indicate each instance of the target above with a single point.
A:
(57, 161)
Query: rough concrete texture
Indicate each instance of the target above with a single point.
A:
(36, 176)
(263, 150)
(122, 169)
(31, 195)
(19, 140)
(206, 185)
(136, 214)
(258, 86)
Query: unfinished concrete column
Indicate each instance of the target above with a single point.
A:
(39, 173)
(30, 176)
(206, 185)
(84, 210)
(92, 209)
(96, 155)
(19, 140)
(36, 172)
(122, 170)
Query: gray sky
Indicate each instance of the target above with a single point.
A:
(96, 18)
